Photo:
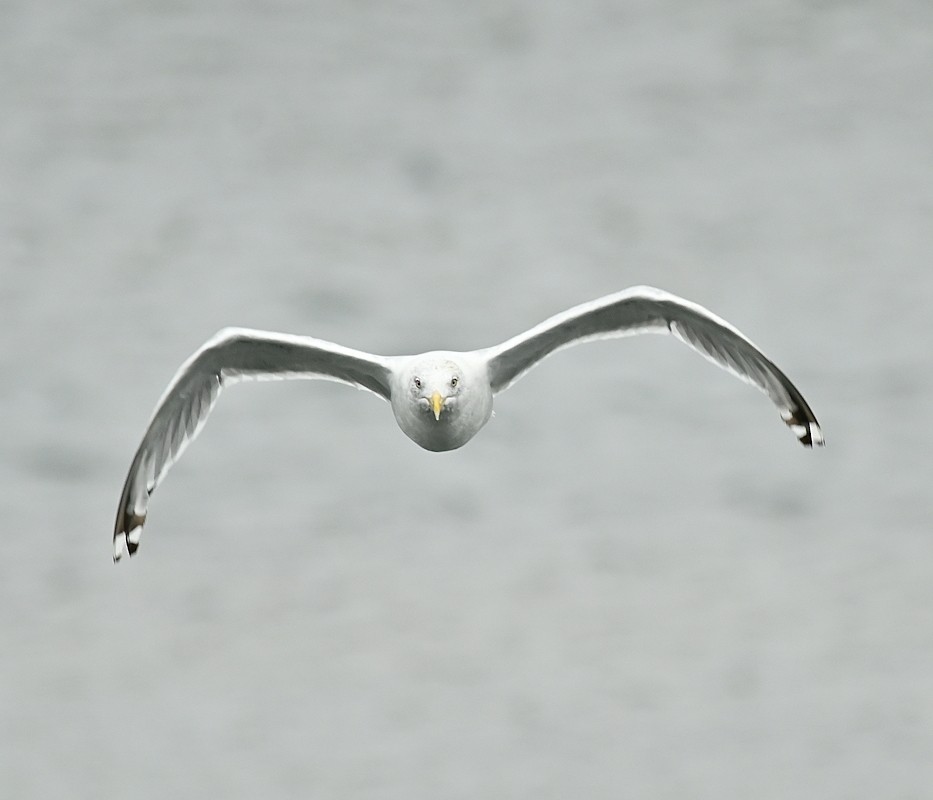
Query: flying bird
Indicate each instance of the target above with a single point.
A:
(441, 399)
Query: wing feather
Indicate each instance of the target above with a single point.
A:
(643, 309)
(234, 354)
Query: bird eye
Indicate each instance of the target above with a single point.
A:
(417, 383)
(453, 381)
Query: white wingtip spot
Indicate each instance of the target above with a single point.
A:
(119, 546)
(134, 535)
(816, 434)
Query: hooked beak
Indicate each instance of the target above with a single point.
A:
(437, 404)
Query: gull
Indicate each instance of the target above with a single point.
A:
(440, 399)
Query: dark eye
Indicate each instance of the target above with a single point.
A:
(417, 383)
(453, 381)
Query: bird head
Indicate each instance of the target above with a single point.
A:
(435, 386)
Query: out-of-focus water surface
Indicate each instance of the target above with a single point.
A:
(633, 583)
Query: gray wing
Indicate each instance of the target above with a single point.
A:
(234, 354)
(643, 309)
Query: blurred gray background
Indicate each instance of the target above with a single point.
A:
(633, 583)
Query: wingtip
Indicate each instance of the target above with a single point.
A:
(810, 434)
(804, 426)
(816, 436)
(119, 546)
(126, 538)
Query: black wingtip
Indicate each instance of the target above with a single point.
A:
(127, 534)
(805, 428)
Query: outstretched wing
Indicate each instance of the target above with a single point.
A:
(234, 354)
(643, 309)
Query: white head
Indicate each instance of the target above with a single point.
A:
(435, 387)
(442, 399)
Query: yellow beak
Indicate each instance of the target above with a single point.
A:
(437, 403)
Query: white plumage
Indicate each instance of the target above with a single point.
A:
(440, 399)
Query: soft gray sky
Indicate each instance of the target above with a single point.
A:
(633, 582)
